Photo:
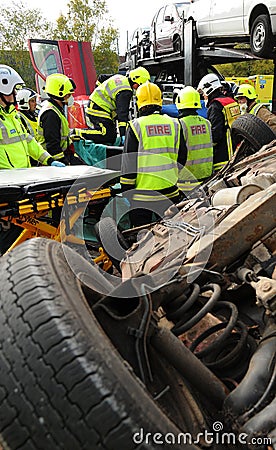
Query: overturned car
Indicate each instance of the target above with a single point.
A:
(175, 349)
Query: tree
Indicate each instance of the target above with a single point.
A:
(17, 24)
(248, 67)
(105, 56)
(86, 20)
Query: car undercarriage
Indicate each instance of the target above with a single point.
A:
(175, 348)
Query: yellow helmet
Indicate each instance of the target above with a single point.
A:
(188, 97)
(139, 75)
(246, 90)
(148, 94)
(59, 85)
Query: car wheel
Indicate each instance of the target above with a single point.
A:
(63, 385)
(176, 44)
(112, 240)
(261, 39)
(252, 131)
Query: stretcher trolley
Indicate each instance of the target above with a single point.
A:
(48, 201)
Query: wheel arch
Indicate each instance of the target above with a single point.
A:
(257, 11)
(177, 37)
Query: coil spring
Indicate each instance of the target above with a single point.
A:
(229, 354)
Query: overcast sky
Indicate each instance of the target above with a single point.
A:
(127, 14)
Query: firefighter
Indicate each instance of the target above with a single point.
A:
(26, 104)
(53, 127)
(247, 99)
(198, 138)
(108, 104)
(154, 148)
(221, 112)
(16, 144)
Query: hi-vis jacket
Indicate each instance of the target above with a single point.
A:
(151, 166)
(64, 135)
(30, 122)
(103, 102)
(16, 145)
(222, 111)
(260, 110)
(199, 164)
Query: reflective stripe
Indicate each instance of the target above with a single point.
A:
(256, 108)
(64, 127)
(43, 157)
(26, 123)
(229, 144)
(29, 138)
(58, 155)
(154, 198)
(219, 165)
(96, 113)
(127, 180)
(116, 89)
(106, 100)
(199, 161)
(188, 186)
(172, 149)
(159, 151)
(158, 145)
(6, 139)
(104, 96)
(17, 146)
(161, 168)
(199, 146)
(197, 134)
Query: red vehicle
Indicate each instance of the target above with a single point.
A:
(74, 59)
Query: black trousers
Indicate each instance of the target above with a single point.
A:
(101, 131)
(143, 213)
(7, 237)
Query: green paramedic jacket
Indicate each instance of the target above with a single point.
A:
(16, 145)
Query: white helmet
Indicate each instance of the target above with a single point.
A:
(23, 96)
(208, 84)
(9, 78)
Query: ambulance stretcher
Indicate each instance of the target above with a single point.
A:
(33, 200)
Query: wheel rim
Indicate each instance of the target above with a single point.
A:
(259, 37)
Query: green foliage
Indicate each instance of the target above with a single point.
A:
(247, 68)
(21, 62)
(18, 24)
(105, 54)
(86, 21)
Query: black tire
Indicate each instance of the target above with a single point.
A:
(253, 130)
(261, 38)
(112, 240)
(62, 384)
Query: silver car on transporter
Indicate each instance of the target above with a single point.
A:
(251, 21)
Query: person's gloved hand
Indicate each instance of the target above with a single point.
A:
(57, 164)
(123, 140)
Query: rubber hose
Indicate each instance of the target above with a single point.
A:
(254, 383)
